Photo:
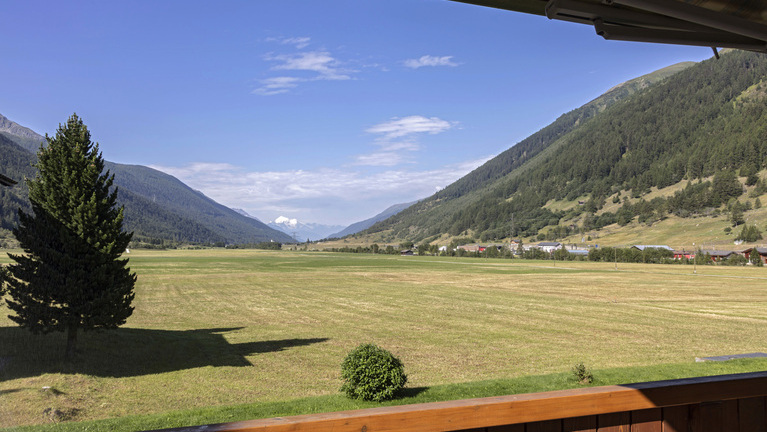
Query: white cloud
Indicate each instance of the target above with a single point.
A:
(399, 145)
(320, 62)
(277, 85)
(428, 60)
(397, 139)
(401, 127)
(298, 42)
(300, 67)
(307, 194)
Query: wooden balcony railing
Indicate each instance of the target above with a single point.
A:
(722, 403)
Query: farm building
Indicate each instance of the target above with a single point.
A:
(549, 247)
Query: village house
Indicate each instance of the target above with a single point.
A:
(718, 255)
(762, 251)
(472, 248)
(684, 254)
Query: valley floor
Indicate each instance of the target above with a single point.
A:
(222, 327)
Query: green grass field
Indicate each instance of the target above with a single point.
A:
(219, 327)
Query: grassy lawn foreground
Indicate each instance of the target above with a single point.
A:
(219, 327)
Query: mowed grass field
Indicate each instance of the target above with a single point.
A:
(224, 327)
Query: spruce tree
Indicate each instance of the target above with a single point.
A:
(70, 276)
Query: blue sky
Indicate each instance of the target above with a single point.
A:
(326, 111)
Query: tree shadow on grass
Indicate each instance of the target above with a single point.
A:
(410, 392)
(126, 352)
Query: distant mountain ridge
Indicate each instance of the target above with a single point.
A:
(367, 223)
(302, 231)
(246, 214)
(157, 205)
(24, 137)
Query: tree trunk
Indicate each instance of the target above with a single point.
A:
(71, 342)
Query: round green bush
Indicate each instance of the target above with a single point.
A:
(372, 373)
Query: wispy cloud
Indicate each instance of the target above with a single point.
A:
(405, 126)
(301, 193)
(397, 139)
(380, 159)
(298, 42)
(277, 85)
(299, 67)
(428, 60)
(320, 62)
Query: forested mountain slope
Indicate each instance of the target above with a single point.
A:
(710, 118)
(192, 208)
(157, 206)
(528, 148)
(16, 163)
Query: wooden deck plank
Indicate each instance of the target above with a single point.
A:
(730, 415)
(711, 417)
(507, 428)
(580, 424)
(545, 426)
(614, 422)
(751, 414)
(676, 418)
(649, 420)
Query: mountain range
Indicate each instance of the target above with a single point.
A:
(367, 223)
(683, 146)
(688, 141)
(303, 231)
(158, 207)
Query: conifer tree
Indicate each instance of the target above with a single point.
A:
(70, 276)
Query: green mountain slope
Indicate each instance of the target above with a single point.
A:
(157, 206)
(528, 148)
(708, 118)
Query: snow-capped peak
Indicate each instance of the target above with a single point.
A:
(282, 220)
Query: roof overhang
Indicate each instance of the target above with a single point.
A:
(740, 24)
